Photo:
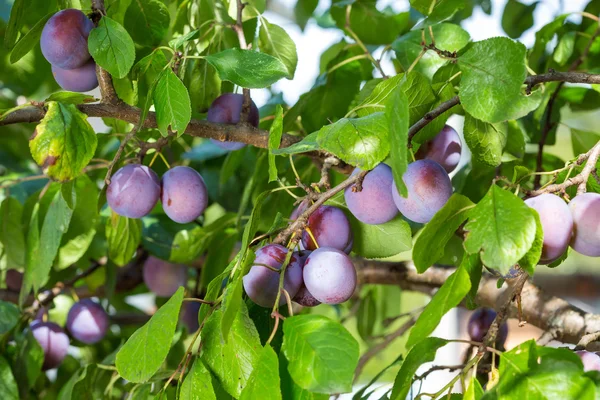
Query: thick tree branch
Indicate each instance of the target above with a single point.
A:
(539, 309)
(431, 115)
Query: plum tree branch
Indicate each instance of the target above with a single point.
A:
(591, 159)
(540, 309)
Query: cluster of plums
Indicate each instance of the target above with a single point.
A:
(429, 186)
(64, 43)
(576, 224)
(87, 322)
(135, 189)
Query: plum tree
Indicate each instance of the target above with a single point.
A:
(374, 204)
(64, 39)
(557, 224)
(133, 191)
(87, 321)
(429, 188)
(304, 297)
(81, 79)
(189, 315)
(14, 280)
(445, 149)
(585, 209)
(227, 109)
(329, 275)
(330, 227)
(591, 361)
(184, 197)
(480, 322)
(262, 281)
(162, 277)
(53, 341)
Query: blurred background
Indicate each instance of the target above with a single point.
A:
(577, 279)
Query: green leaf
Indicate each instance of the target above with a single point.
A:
(422, 352)
(12, 232)
(397, 116)
(275, 134)
(322, 354)
(264, 380)
(55, 225)
(64, 142)
(366, 316)
(489, 90)
(501, 228)
(437, 10)
(472, 264)
(309, 143)
(145, 351)
(430, 244)
(371, 25)
(89, 383)
(474, 390)
(359, 395)
(8, 386)
(205, 85)
(583, 141)
(111, 47)
(274, 40)
(231, 303)
(517, 17)
(172, 104)
(447, 36)
(565, 48)
(197, 385)
(82, 228)
(531, 259)
(14, 23)
(486, 141)
(147, 21)
(28, 361)
(123, 236)
(304, 10)
(362, 142)
(231, 362)
(248, 69)
(9, 316)
(177, 243)
(454, 289)
(383, 240)
(33, 242)
(65, 97)
(253, 9)
(535, 372)
(28, 42)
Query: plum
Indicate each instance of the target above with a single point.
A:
(162, 277)
(304, 204)
(14, 280)
(262, 283)
(54, 342)
(189, 315)
(445, 149)
(64, 40)
(87, 321)
(374, 204)
(303, 297)
(429, 188)
(82, 79)
(330, 228)
(557, 224)
(184, 196)
(329, 275)
(480, 322)
(591, 361)
(133, 191)
(585, 209)
(226, 109)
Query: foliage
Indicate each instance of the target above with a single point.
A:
(384, 92)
